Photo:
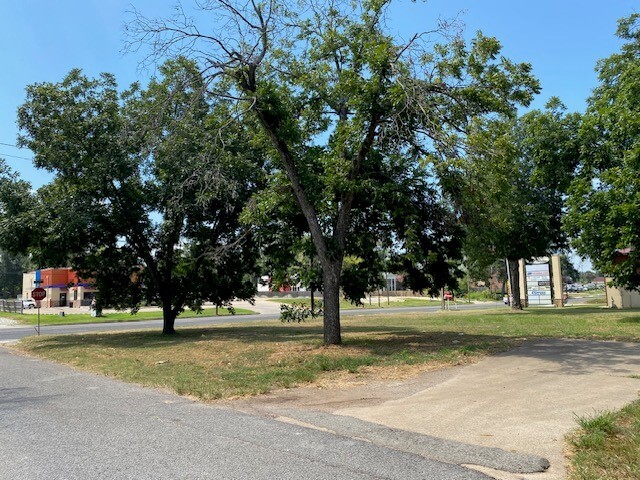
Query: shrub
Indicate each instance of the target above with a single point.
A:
(297, 312)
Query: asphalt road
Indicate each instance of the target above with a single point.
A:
(8, 334)
(57, 423)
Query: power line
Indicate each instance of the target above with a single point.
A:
(12, 145)
(15, 156)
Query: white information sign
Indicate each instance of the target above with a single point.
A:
(539, 284)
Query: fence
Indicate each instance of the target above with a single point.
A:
(13, 306)
(290, 294)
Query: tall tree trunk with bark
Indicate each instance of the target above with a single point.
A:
(514, 283)
(169, 313)
(169, 319)
(331, 297)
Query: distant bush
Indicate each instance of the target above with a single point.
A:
(481, 295)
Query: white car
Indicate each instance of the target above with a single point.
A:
(29, 303)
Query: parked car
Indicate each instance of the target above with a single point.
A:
(29, 303)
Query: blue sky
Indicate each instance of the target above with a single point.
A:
(42, 40)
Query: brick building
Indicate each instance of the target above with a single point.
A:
(63, 286)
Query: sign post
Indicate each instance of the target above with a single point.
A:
(38, 294)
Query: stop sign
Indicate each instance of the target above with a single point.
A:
(38, 293)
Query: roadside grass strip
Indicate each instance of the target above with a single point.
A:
(77, 318)
(232, 361)
(607, 446)
(236, 360)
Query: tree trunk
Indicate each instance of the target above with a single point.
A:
(331, 298)
(169, 319)
(312, 286)
(514, 282)
(313, 304)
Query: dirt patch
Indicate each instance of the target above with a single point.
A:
(370, 386)
(7, 322)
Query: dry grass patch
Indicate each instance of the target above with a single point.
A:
(254, 358)
(232, 361)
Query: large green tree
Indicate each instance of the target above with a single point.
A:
(16, 202)
(570, 273)
(399, 224)
(11, 269)
(511, 187)
(16, 198)
(343, 104)
(145, 201)
(604, 207)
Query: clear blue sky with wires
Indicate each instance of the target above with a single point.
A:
(42, 41)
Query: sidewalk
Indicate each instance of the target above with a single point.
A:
(7, 322)
(523, 402)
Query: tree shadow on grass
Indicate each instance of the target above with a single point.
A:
(630, 320)
(382, 338)
(377, 340)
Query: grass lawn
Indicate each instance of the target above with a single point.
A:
(248, 359)
(606, 446)
(599, 300)
(345, 305)
(32, 319)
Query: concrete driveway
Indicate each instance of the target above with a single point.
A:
(525, 400)
(506, 416)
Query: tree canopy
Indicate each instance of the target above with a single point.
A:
(354, 117)
(511, 186)
(604, 208)
(16, 199)
(145, 200)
